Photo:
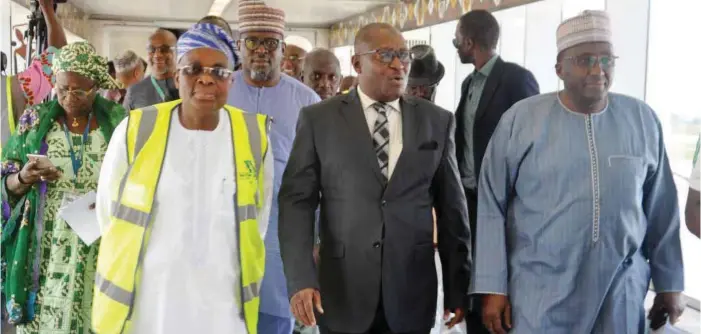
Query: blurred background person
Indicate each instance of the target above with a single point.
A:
(322, 73)
(159, 86)
(347, 83)
(129, 68)
(426, 72)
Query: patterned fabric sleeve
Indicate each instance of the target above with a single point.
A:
(37, 80)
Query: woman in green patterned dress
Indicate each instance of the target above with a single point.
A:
(48, 271)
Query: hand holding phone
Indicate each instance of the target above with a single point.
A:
(39, 168)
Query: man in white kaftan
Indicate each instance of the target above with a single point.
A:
(578, 208)
(190, 272)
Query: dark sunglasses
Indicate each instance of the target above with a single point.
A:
(253, 43)
(219, 73)
(386, 56)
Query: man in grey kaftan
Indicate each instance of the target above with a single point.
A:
(578, 208)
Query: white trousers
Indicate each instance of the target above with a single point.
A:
(439, 327)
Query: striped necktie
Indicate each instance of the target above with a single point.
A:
(380, 138)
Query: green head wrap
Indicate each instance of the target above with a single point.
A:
(81, 58)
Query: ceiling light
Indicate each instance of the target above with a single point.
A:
(218, 7)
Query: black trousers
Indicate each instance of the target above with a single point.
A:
(379, 325)
(473, 317)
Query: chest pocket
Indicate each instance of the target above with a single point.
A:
(626, 175)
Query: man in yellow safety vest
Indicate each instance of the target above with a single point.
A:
(183, 201)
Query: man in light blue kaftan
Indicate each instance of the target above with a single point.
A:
(260, 87)
(578, 208)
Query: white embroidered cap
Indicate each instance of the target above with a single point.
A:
(589, 26)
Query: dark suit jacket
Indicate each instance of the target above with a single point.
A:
(376, 241)
(143, 94)
(507, 84)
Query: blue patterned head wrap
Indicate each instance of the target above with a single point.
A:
(207, 35)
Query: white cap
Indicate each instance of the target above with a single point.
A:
(587, 27)
(299, 41)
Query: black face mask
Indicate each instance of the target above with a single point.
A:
(172, 90)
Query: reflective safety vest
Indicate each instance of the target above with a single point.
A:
(7, 118)
(125, 241)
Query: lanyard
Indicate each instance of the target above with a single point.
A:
(77, 162)
(158, 88)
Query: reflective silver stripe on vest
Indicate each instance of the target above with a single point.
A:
(146, 125)
(113, 291)
(148, 122)
(251, 291)
(130, 215)
(254, 137)
(247, 212)
(6, 110)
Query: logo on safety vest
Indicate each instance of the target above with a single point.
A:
(250, 172)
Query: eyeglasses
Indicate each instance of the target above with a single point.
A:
(162, 49)
(293, 58)
(589, 61)
(79, 93)
(219, 73)
(386, 56)
(253, 43)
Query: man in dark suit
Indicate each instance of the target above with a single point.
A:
(488, 92)
(376, 163)
(159, 86)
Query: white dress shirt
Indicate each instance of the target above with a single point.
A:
(190, 272)
(394, 125)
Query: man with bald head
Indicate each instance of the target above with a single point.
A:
(322, 73)
(376, 270)
(158, 87)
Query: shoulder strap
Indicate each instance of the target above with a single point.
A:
(141, 124)
(258, 126)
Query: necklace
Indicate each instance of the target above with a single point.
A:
(75, 122)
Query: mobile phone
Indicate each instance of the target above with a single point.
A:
(43, 161)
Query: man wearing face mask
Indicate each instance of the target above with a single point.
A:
(260, 87)
(322, 72)
(159, 86)
(491, 89)
(376, 163)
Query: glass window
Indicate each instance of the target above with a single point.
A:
(344, 54)
(513, 34)
(417, 36)
(629, 23)
(442, 42)
(673, 95)
(571, 8)
(542, 19)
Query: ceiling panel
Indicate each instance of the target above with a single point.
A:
(312, 13)
(169, 9)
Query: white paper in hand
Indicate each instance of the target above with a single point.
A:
(81, 218)
(666, 329)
